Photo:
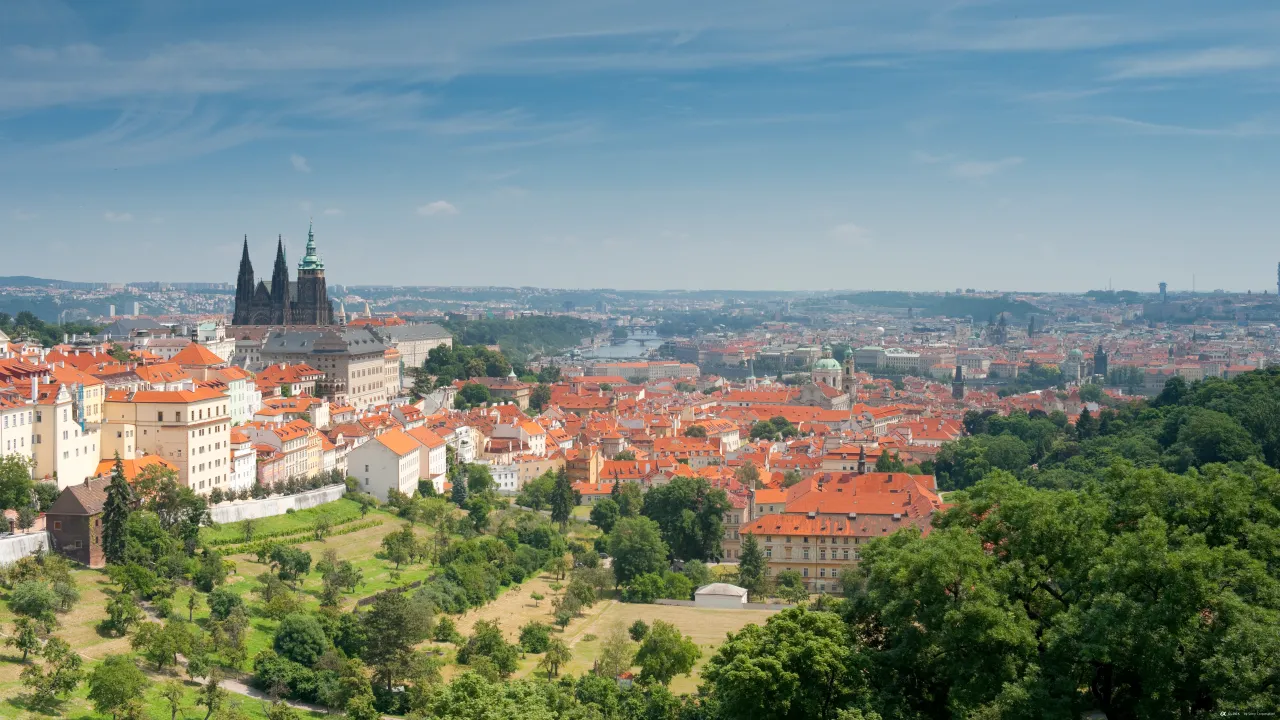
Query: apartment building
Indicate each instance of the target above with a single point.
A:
(387, 462)
(188, 428)
(353, 362)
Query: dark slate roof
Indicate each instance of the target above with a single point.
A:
(86, 498)
(355, 341)
(413, 333)
(127, 327)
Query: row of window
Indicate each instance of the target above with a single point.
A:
(822, 554)
(821, 540)
(198, 414)
(19, 420)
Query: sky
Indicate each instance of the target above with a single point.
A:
(744, 144)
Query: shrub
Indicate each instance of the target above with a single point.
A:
(535, 636)
(300, 639)
(638, 630)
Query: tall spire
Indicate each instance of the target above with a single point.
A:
(280, 285)
(311, 261)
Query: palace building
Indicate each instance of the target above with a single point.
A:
(282, 301)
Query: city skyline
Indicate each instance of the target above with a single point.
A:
(988, 144)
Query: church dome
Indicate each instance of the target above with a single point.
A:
(826, 364)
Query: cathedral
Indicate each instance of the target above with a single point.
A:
(282, 301)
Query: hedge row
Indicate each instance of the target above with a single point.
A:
(279, 533)
(309, 537)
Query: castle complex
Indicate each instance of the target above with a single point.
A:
(282, 301)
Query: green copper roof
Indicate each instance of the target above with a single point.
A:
(311, 261)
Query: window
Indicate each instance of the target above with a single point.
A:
(160, 416)
(57, 524)
(806, 553)
(846, 554)
(804, 572)
(822, 572)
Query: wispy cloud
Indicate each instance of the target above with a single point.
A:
(438, 207)
(118, 217)
(1244, 129)
(976, 169)
(333, 212)
(849, 232)
(966, 168)
(300, 163)
(24, 216)
(1202, 62)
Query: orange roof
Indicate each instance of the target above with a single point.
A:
(398, 442)
(133, 467)
(197, 355)
(426, 437)
(176, 396)
(162, 373)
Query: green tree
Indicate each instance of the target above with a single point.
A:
(630, 499)
(557, 654)
(666, 653)
(562, 500)
(16, 485)
(211, 695)
(458, 494)
(222, 602)
(392, 626)
(637, 548)
(472, 395)
(35, 599)
(690, 514)
(173, 692)
(115, 683)
(695, 431)
(301, 639)
(540, 397)
(751, 567)
(25, 637)
(534, 636)
(115, 514)
(791, 477)
(537, 492)
(801, 664)
(487, 641)
(748, 474)
(638, 630)
(123, 613)
(889, 462)
(58, 675)
(604, 514)
(617, 651)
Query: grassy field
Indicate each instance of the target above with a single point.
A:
(78, 707)
(339, 511)
(79, 627)
(516, 607)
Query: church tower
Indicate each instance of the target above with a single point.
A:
(283, 302)
(311, 304)
(280, 287)
(244, 289)
(957, 384)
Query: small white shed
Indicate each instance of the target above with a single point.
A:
(720, 595)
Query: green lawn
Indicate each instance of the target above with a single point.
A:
(78, 707)
(338, 511)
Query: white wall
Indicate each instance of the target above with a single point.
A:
(15, 547)
(253, 509)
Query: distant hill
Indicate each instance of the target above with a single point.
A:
(28, 281)
(944, 305)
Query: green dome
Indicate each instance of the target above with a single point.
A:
(826, 364)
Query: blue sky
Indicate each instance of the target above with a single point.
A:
(654, 144)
